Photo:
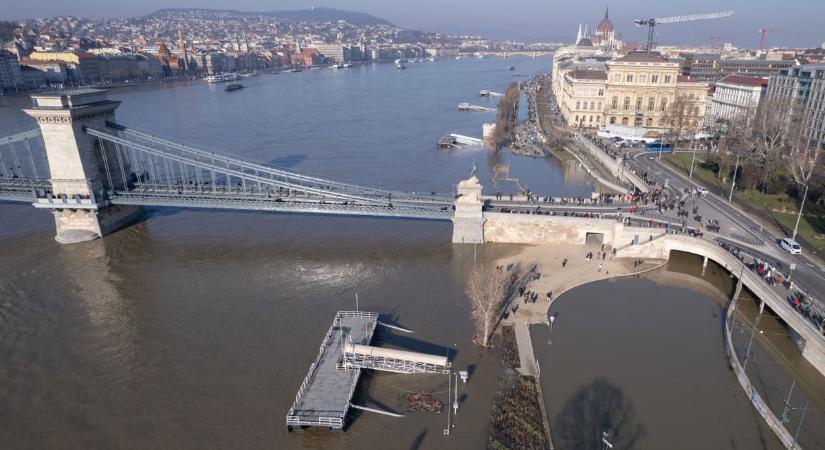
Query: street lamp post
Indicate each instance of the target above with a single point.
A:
(733, 181)
(799, 216)
(693, 159)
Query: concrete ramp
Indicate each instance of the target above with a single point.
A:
(357, 356)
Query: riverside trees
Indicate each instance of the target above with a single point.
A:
(486, 288)
(775, 156)
(507, 116)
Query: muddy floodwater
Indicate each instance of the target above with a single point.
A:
(194, 329)
(643, 360)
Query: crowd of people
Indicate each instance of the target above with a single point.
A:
(804, 304)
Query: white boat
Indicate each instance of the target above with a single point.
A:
(215, 79)
(484, 93)
(314, 68)
(400, 66)
(347, 65)
(231, 77)
(336, 66)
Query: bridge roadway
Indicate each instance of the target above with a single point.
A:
(814, 341)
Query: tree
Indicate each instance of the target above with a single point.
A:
(802, 163)
(486, 289)
(775, 128)
(507, 115)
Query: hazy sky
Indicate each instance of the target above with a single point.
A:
(802, 20)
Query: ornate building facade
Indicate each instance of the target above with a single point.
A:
(636, 90)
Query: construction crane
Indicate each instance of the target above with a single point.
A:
(764, 32)
(651, 23)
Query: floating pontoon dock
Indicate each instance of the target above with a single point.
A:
(324, 397)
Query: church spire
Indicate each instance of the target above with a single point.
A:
(606, 12)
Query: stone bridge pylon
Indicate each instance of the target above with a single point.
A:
(468, 218)
(78, 164)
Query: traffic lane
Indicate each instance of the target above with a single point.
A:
(810, 274)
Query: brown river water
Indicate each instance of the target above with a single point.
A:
(194, 329)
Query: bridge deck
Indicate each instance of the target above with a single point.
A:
(324, 397)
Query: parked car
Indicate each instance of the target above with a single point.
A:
(702, 191)
(790, 246)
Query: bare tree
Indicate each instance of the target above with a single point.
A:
(507, 115)
(486, 289)
(773, 133)
(803, 161)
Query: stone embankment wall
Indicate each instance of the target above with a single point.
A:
(613, 165)
(538, 229)
(758, 402)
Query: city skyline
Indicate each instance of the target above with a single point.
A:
(551, 21)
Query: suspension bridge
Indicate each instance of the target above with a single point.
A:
(96, 175)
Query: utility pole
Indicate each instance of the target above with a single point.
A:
(785, 418)
(693, 159)
(753, 332)
(449, 394)
(733, 181)
(799, 216)
(799, 426)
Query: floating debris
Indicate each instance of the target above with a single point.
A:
(423, 401)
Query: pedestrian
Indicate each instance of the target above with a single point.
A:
(600, 268)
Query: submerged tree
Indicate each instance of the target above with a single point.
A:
(486, 289)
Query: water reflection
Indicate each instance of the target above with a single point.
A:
(111, 328)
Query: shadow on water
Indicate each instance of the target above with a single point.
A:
(594, 409)
(418, 440)
(287, 161)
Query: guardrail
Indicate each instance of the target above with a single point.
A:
(756, 400)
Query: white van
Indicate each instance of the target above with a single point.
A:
(790, 246)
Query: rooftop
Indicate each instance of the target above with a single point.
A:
(588, 74)
(637, 56)
(744, 81)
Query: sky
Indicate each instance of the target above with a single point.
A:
(530, 20)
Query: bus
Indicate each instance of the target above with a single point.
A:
(657, 146)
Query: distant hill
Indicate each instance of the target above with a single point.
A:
(299, 15)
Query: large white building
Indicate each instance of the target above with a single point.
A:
(806, 85)
(640, 90)
(735, 96)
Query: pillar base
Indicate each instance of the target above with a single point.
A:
(73, 236)
(468, 231)
(75, 226)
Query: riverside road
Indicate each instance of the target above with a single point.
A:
(808, 272)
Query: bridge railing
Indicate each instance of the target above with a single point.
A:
(267, 171)
(22, 156)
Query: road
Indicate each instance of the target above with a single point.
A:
(736, 224)
(809, 273)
